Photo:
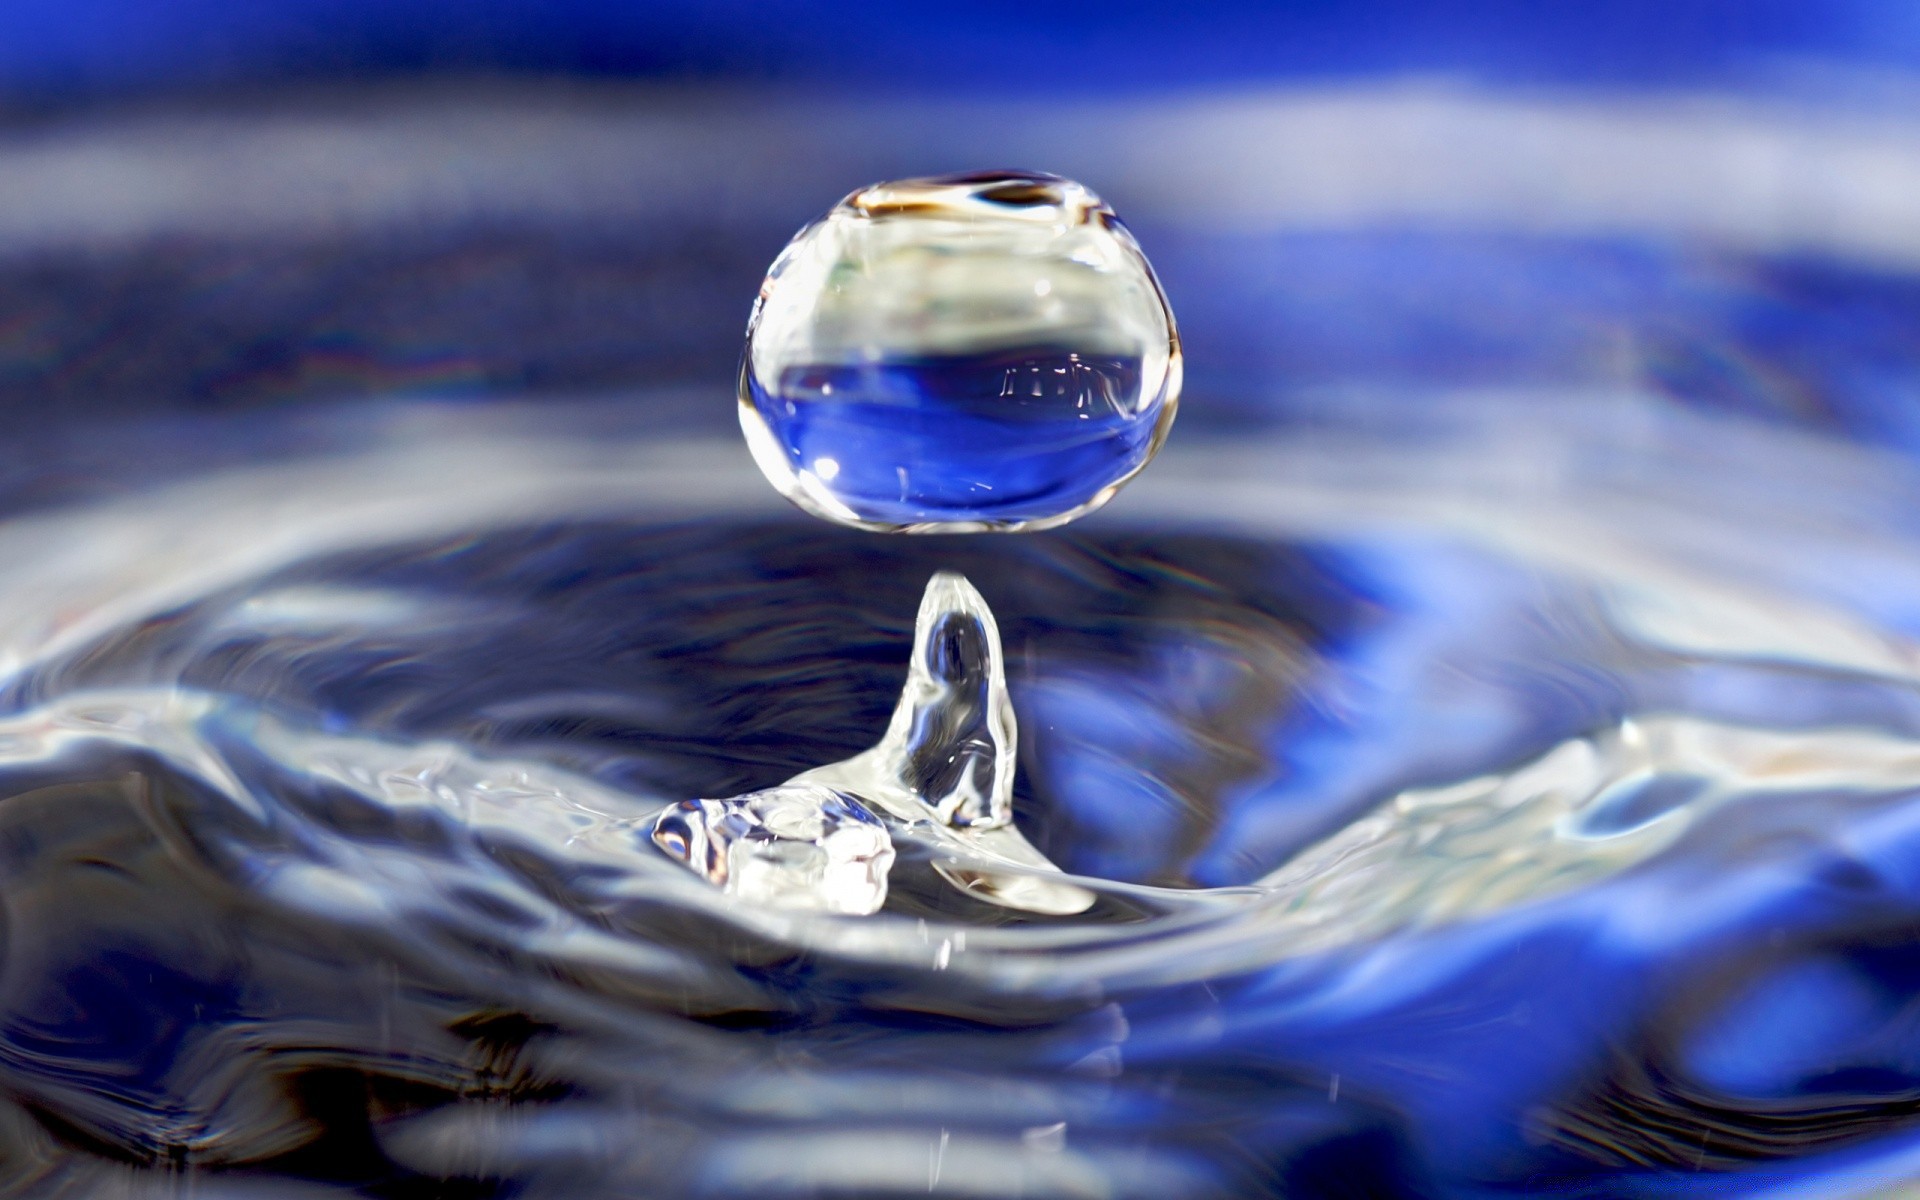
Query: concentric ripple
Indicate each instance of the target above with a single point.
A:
(1451, 828)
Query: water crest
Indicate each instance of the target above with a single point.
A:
(1353, 837)
(943, 774)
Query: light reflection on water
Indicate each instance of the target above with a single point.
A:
(1537, 806)
(1491, 726)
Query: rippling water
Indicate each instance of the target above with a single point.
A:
(1522, 807)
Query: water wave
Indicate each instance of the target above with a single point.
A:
(1443, 847)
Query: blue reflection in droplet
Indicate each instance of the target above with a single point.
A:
(962, 353)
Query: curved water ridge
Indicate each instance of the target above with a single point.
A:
(1589, 809)
(1412, 850)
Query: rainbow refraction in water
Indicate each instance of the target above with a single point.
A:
(967, 352)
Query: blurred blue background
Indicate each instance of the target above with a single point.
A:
(209, 206)
(64, 48)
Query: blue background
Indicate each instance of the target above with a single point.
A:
(67, 47)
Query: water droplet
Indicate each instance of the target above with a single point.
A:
(971, 352)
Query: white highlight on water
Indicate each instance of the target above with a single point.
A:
(1526, 476)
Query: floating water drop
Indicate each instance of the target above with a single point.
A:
(942, 776)
(963, 353)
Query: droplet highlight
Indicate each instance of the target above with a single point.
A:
(790, 846)
(959, 354)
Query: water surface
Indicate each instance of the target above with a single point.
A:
(1528, 804)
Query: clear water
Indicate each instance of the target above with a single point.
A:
(962, 353)
(1012, 438)
(795, 846)
(1525, 805)
(941, 779)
